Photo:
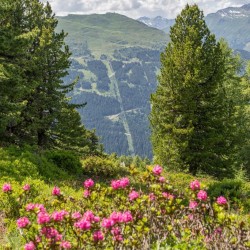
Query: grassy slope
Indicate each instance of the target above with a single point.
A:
(107, 32)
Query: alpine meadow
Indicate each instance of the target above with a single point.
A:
(117, 135)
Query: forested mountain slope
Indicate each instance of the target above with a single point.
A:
(116, 59)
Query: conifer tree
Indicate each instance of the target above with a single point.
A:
(15, 41)
(243, 156)
(47, 118)
(190, 116)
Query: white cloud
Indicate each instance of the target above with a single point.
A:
(137, 8)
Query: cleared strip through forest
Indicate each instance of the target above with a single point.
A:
(123, 113)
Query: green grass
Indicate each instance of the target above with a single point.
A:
(108, 32)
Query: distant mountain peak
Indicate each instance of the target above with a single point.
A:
(235, 12)
(157, 22)
(246, 7)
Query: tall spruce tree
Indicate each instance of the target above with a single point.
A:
(243, 155)
(190, 115)
(15, 40)
(46, 108)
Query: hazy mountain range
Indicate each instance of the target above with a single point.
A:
(117, 58)
(232, 23)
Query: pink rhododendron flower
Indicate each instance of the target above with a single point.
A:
(221, 200)
(152, 196)
(165, 194)
(51, 233)
(43, 218)
(168, 195)
(116, 232)
(56, 191)
(98, 235)
(38, 239)
(118, 237)
(86, 193)
(107, 222)
(59, 215)
(218, 230)
(88, 183)
(40, 207)
(202, 195)
(96, 219)
(127, 216)
(65, 245)
(6, 187)
(83, 224)
(195, 185)
(193, 204)
(133, 195)
(116, 184)
(89, 216)
(116, 217)
(26, 187)
(171, 196)
(157, 170)
(23, 222)
(162, 179)
(30, 207)
(30, 246)
(76, 215)
(124, 182)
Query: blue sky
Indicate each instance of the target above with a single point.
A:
(138, 8)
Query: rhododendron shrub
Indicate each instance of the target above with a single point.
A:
(120, 216)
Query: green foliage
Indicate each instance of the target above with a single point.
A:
(135, 161)
(15, 41)
(29, 162)
(16, 164)
(33, 61)
(193, 118)
(237, 191)
(243, 154)
(182, 180)
(65, 160)
(102, 167)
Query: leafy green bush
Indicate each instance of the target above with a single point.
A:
(104, 167)
(237, 191)
(182, 180)
(136, 161)
(65, 160)
(17, 163)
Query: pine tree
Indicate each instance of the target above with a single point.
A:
(47, 118)
(243, 115)
(190, 115)
(15, 41)
(236, 89)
